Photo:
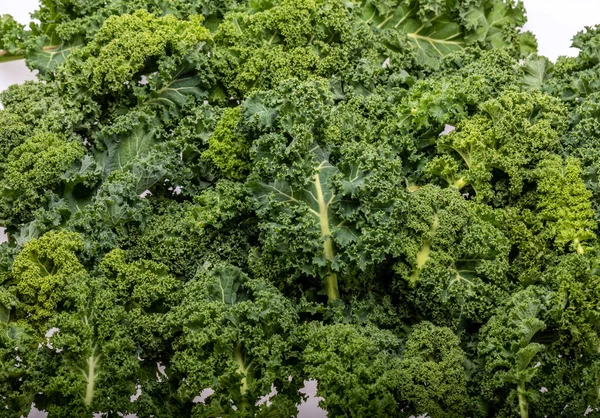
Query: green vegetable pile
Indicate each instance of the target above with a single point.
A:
(398, 199)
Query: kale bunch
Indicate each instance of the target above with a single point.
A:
(208, 203)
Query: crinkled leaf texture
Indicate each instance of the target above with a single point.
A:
(397, 199)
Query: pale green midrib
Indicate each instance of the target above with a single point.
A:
(435, 41)
(91, 376)
(523, 405)
(222, 292)
(578, 247)
(176, 80)
(239, 360)
(331, 279)
(323, 217)
(424, 251)
(244, 370)
(460, 183)
(391, 16)
(459, 278)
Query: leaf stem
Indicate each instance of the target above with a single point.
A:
(332, 286)
(331, 279)
(5, 56)
(523, 405)
(578, 246)
(243, 370)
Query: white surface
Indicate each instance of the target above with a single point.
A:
(555, 22)
(19, 9)
(14, 72)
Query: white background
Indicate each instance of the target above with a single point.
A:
(554, 22)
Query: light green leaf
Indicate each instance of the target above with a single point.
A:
(4, 314)
(526, 354)
(13, 334)
(48, 57)
(125, 148)
(172, 96)
(433, 39)
(489, 24)
(256, 109)
(316, 196)
(177, 92)
(537, 70)
(437, 32)
(225, 284)
(45, 50)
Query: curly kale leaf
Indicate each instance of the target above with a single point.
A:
(431, 376)
(235, 339)
(465, 80)
(62, 27)
(41, 107)
(147, 291)
(96, 333)
(509, 350)
(259, 49)
(90, 362)
(18, 353)
(228, 148)
(495, 149)
(42, 270)
(312, 209)
(184, 236)
(565, 204)
(438, 28)
(581, 142)
(453, 261)
(313, 204)
(11, 38)
(128, 47)
(575, 78)
(33, 170)
(353, 365)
